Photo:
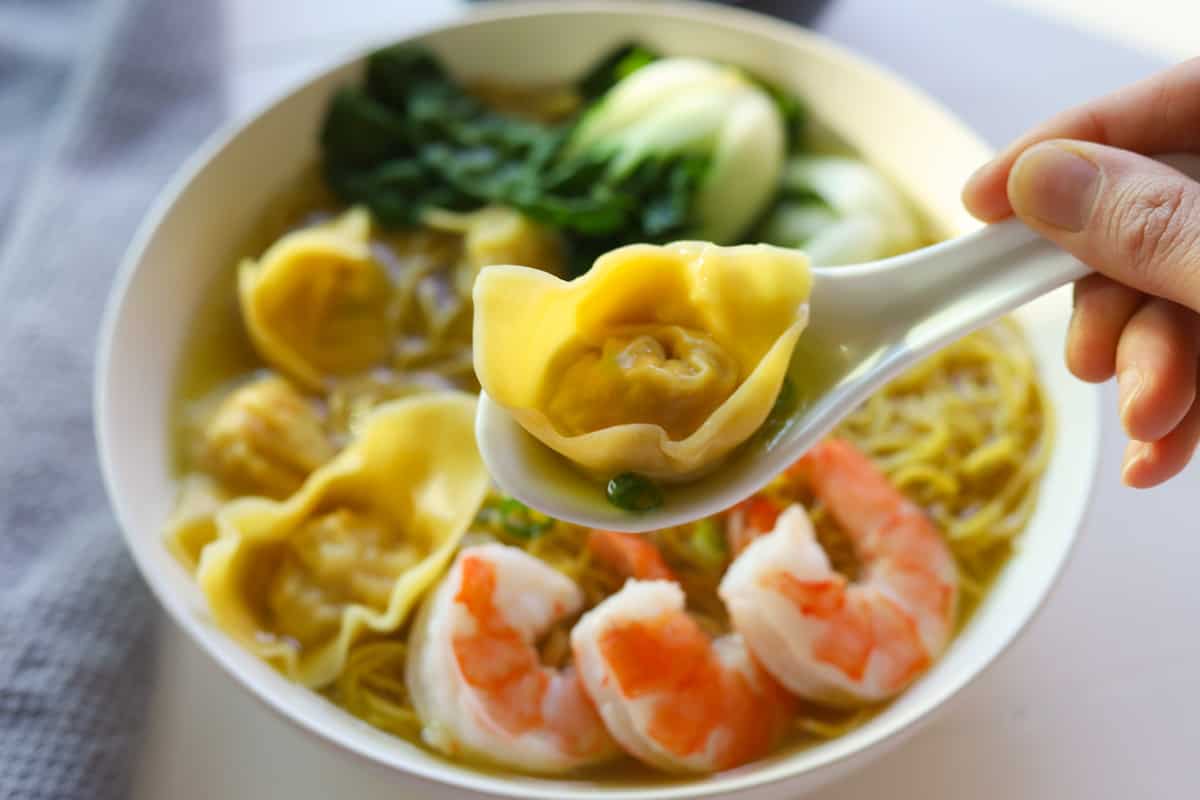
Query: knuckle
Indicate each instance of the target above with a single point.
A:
(1150, 228)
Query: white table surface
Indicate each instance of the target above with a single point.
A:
(1100, 699)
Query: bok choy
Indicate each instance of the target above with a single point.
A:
(840, 211)
(663, 149)
(684, 107)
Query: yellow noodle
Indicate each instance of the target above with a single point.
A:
(925, 477)
(976, 416)
(832, 724)
(371, 687)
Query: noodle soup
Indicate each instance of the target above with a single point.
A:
(964, 437)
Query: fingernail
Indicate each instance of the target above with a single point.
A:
(1129, 386)
(1055, 185)
(1135, 454)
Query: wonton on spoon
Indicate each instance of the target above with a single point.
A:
(659, 361)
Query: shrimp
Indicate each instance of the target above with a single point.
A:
(630, 555)
(475, 677)
(749, 519)
(818, 634)
(671, 696)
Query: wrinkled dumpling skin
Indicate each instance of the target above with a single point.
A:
(299, 581)
(316, 303)
(265, 439)
(193, 522)
(659, 360)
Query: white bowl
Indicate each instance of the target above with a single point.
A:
(190, 235)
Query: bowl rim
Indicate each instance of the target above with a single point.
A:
(461, 776)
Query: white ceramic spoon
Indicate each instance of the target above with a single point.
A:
(869, 323)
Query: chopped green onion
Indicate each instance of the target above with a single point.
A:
(634, 492)
(708, 542)
(520, 520)
(515, 518)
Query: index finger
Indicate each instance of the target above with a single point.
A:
(1155, 116)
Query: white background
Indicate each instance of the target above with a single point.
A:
(1100, 699)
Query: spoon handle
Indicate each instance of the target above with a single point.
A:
(905, 308)
(964, 283)
(975, 279)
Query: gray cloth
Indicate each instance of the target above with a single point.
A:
(99, 103)
(36, 60)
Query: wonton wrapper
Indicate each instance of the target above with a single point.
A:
(316, 303)
(498, 235)
(265, 439)
(749, 300)
(413, 470)
(193, 522)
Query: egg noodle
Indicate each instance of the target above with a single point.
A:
(967, 435)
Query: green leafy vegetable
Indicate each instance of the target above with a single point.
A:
(695, 159)
(840, 211)
(618, 65)
(634, 492)
(687, 108)
(411, 139)
(794, 112)
(707, 542)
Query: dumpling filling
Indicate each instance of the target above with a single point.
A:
(265, 439)
(664, 375)
(335, 559)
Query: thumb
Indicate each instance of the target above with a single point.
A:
(1127, 216)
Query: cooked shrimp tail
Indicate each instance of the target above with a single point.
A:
(827, 638)
(630, 555)
(673, 697)
(475, 676)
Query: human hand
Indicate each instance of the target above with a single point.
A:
(1079, 181)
